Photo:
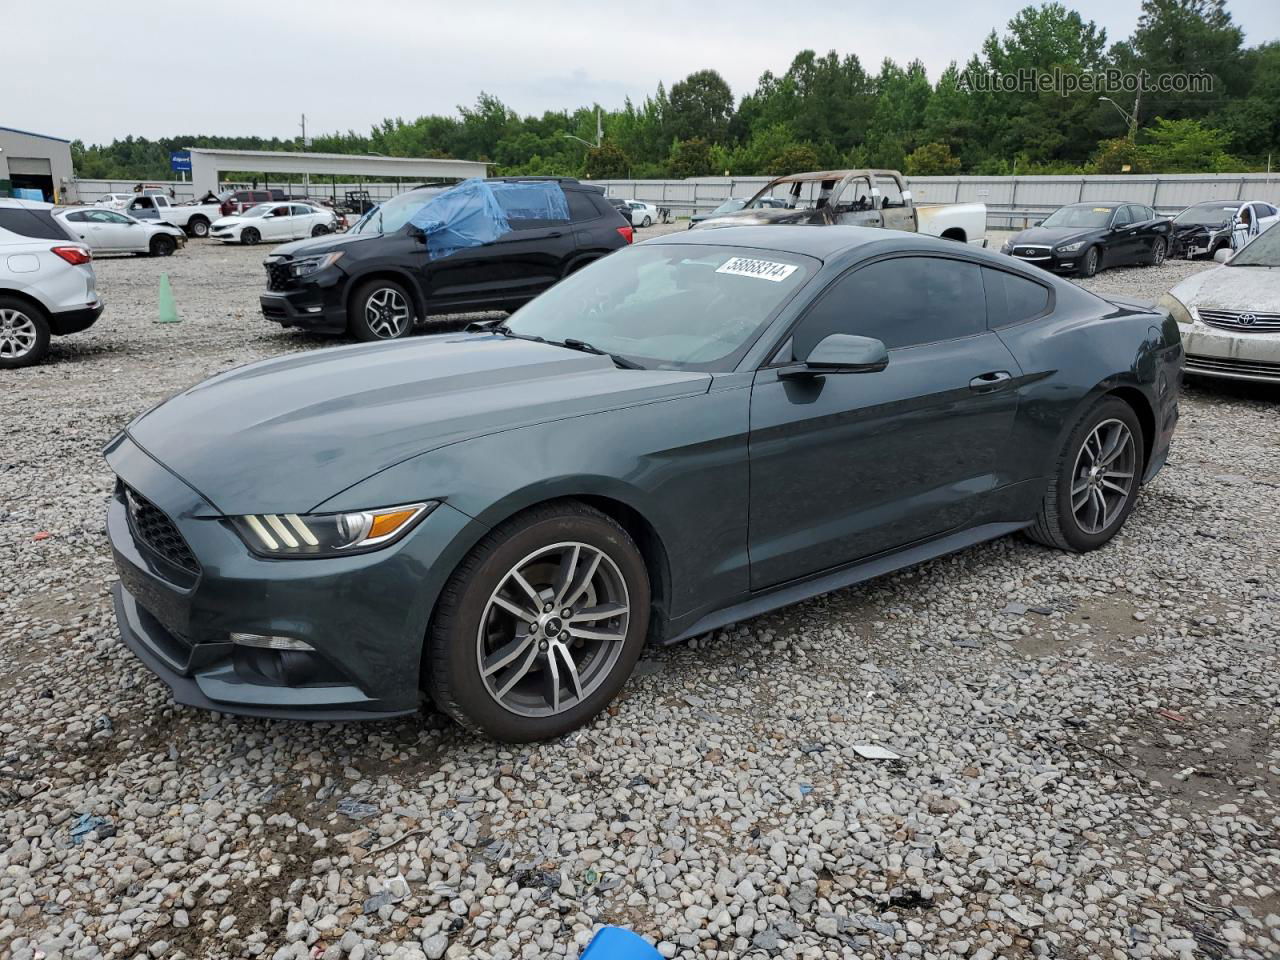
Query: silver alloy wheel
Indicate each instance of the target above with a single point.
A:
(1091, 259)
(386, 313)
(199, 229)
(553, 629)
(1160, 250)
(1103, 476)
(17, 334)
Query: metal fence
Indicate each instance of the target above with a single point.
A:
(87, 191)
(1011, 201)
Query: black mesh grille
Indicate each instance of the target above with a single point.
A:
(277, 276)
(153, 528)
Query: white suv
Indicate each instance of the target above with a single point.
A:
(47, 286)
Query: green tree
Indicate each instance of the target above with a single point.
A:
(690, 158)
(797, 158)
(1185, 146)
(607, 162)
(932, 160)
(1179, 37)
(700, 108)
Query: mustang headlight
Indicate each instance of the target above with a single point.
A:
(1071, 247)
(1177, 309)
(328, 534)
(305, 266)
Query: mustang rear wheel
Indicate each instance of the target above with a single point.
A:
(1095, 482)
(541, 625)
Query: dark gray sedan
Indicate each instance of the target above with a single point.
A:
(684, 434)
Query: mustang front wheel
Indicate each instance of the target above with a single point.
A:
(541, 625)
(1095, 482)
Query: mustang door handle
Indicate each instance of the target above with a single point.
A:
(990, 381)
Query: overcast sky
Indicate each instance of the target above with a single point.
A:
(162, 69)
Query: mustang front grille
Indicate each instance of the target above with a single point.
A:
(153, 528)
(1241, 320)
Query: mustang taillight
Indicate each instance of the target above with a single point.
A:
(628, 234)
(73, 255)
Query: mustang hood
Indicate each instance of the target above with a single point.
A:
(1049, 236)
(285, 435)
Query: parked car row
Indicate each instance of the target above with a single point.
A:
(1083, 238)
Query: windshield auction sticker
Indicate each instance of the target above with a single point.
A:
(760, 269)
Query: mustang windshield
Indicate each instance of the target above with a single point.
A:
(1083, 216)
(1206, 215)
(1262, 251)
(670, 306)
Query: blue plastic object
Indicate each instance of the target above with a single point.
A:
(615, 943)
(28, 193)
(476, 212)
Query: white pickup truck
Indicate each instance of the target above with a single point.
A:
(193, 217)
(863, 198)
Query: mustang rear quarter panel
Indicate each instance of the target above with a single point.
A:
(1085, 349)
(681, 463)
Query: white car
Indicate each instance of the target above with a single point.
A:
(1229, 316)
(273, 222)
(47, 285)
(108, 231)
(642, 214)
(1203, 229)
(114, 201)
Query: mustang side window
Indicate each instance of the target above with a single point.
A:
(902, 302)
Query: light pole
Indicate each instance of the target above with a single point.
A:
(599, 134)
(1130, 118)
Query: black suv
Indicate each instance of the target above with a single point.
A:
(376, 280)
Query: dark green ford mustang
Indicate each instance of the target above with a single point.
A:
(687, 433)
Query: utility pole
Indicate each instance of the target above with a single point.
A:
(1133, 121)
(306, 177)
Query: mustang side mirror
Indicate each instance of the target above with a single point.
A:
(1222, 254)
(840, 353)
(906, 196)
(1037, 223)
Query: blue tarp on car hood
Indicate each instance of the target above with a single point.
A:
(476, 212)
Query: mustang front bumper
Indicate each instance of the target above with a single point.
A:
(188, 584)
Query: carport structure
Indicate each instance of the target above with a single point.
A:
(207, 164)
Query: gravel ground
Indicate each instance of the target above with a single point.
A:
(1089, 746)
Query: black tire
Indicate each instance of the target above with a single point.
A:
(250, 236)
(1090, 262)
(163, 246)
(647, 222)
(1159, 250)
(198, 227)
(319, 230)
(1057, 523)
(454, 646)
(380, 310)
(24, 333)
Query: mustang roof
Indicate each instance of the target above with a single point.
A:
(820, 241)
